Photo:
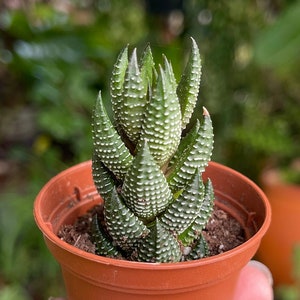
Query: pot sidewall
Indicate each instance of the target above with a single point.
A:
(72, 192)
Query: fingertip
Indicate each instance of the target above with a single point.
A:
(255, 282)
(263, 268)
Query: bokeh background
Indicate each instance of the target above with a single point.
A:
(55, 55)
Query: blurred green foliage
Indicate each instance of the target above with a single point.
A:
(27, 268)
(291, 292)
(278, 46)
(56, 55)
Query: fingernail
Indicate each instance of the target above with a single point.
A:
(260, 266)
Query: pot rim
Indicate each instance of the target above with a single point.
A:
(50, 235)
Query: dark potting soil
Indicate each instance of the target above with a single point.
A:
(222, 232)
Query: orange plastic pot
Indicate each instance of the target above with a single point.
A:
(276, 250)
(87, 276)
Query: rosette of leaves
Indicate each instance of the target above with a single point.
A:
(148, 173)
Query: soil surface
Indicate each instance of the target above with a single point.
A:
(222, 232)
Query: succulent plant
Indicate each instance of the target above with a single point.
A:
(148, 173)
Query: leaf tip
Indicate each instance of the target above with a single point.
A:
(205, 112)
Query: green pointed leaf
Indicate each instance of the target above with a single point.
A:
(162, 125)
(145, 189)
(183, 211)
(159, 246)
(183, 147)
(104, 245)
(108, 145)
(134, 100)
(196, 155)
(169, 73)
(208, 203)
(200, 249)
(194, 230)
(147, 67)
(117, 81)
(188, 87)
(155, 203)
(123, 226)
(103, 179)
